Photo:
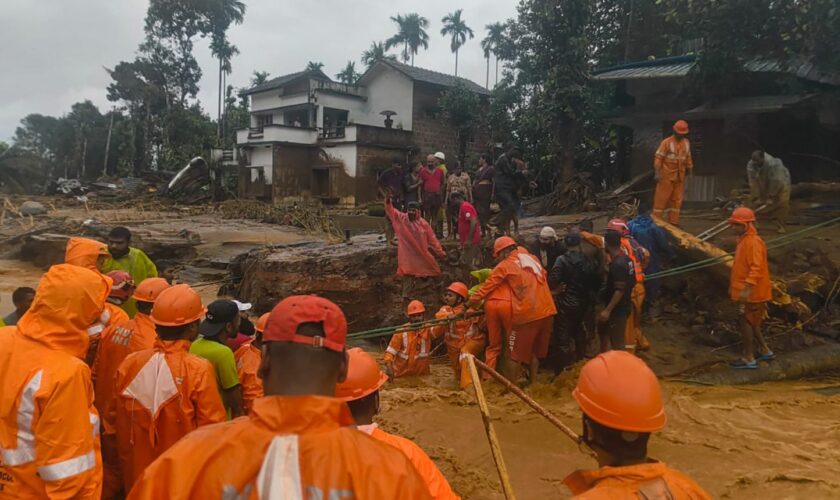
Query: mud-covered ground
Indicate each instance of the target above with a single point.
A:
(762, 441)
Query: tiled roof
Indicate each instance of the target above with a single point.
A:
(435, 78)
(282, 80)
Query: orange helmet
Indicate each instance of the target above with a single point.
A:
(502, 243)
(123, 285)
(619, 226)
(681, 127)
(261, 322)
(460, 289)
(415, 307)
(742, 215)
(618, 390)
(363, 376)
(149, 289)
(177, 305)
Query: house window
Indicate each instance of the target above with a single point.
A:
(263, 120)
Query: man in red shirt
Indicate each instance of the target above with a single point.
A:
(469, 228)
(433, 179)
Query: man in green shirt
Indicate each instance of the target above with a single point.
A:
(220, 323)
(129, 259)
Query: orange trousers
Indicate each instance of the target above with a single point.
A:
(458, 359)
(633, 336)
(499, 317)
(112, 482)
(668, 197)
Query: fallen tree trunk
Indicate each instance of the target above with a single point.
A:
(692, 248)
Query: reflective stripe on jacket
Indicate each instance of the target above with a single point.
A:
(49, 428)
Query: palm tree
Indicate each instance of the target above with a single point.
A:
(457, 28)
(258, 78)
(314, 66)
(376, 52)
(493, 42)
(348, 75)
(224, 51)
(222, 14)
(411, 34)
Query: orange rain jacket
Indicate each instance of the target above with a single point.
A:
(409, 352)
(462, 337)
(650, 480)
(437, 483)
(672, 159)
(528, 281)
(161, 394)
(248, 360)
(84, 252)
(126, 337)
(304, 446)
(112, 316)
(750, 267)
(49, 444)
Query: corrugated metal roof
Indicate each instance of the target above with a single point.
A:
(675, 67)
(675, 70)
(748, 105)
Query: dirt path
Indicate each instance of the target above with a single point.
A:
(771, 440)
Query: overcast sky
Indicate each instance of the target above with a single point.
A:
(53, 51)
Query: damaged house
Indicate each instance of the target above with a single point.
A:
(313, 138)
(792, 112)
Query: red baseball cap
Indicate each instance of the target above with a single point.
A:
(293, 311)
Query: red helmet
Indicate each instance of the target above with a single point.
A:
(459, 289)
(502, 243)
(681, 127)
(363, 376)
(619, 226)
(415, 307)
(123, 286)
(618, 390)
(742, 215)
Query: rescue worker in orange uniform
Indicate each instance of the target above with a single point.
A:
(639, 256)
(248, 358)
(532, 303)
(361, 392)
(49, 428)
(163, 393)
(670, 165)
(113, 314)
(91, 254)
(298, 441)
(461, 335)
(130, 336)
(750, 287)
(621, 403)
(498, 318)
(408, 352)
(85, 252)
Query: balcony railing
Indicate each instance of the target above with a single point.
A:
(337, 132)
(277, 133)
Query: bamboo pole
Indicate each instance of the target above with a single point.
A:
(533, 404)
(491, 432)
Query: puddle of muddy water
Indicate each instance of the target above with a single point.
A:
(775, 440)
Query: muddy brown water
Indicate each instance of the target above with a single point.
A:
(774, 440)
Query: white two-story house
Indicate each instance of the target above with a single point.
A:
(311, 137)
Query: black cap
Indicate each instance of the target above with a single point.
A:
(219, 313)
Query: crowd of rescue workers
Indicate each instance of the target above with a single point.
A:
(116, 382)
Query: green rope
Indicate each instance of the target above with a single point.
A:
(771, 244)
(388, 330)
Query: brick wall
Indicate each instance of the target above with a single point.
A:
(432, 134)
